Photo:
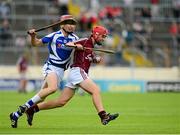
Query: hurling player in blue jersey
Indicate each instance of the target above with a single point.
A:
(57, 62)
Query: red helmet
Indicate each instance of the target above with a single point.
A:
(99, 30)
(65, 19)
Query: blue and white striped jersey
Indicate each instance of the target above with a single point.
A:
(59, 54)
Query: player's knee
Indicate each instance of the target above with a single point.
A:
(97, 90)
(53, 89)
(61, 103)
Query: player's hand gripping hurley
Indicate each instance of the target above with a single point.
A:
(46, 27)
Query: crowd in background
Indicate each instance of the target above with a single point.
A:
(128, 30)
(5, 31)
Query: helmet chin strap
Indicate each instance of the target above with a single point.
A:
(67, 31)
(98, 43)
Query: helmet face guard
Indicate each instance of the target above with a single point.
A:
(71, 22)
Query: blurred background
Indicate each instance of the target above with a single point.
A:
(146, 34)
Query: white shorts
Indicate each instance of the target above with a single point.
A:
(22, 75)
(76, 76)
(48, 68)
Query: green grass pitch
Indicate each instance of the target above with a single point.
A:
(148, 113)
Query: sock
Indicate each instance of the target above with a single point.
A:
(19, 112)
(16, 115)
(33, 101)
(102, 114)
(33, 109)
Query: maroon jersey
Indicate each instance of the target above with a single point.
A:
(83, 58)
(23, 64)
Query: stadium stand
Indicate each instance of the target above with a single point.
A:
(135, 23)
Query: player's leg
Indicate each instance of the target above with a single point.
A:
(21, 83)
(20, 86)
(24, 83)
(65, 96)
(34, 107)
(51, 81)
(89, 86)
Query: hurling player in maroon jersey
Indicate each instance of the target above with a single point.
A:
(78, 77)
(22, 66)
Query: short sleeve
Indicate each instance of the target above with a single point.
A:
(48, 38)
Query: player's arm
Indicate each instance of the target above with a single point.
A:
(18, 64)
(34, 40)
(75, 45)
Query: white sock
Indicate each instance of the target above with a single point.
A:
(33, 101)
